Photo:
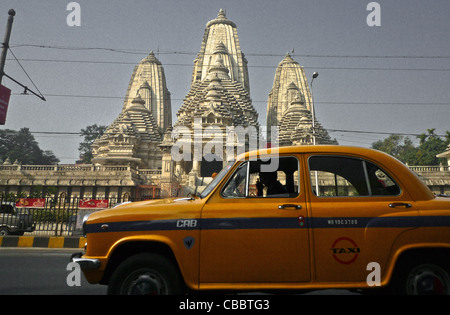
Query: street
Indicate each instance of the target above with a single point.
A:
(43, 271)
(40, 271)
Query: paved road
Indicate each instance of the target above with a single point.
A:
(43, 271)
(40, 271)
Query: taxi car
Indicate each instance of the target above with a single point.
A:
(326, 217)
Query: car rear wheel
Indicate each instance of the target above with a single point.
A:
(428, 279)
(146, 274)
(424, 274)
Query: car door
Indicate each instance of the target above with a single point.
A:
(358, 211)
(246, 238)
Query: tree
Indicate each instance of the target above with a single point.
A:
(392, 145)
(22, 147)
(425, 153)
(91, 133)
(430, 145)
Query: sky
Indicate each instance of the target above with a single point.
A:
(373, 80)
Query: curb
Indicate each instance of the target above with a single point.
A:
(42, 241)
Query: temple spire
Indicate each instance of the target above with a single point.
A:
(221, 14)
(289, 106)
(221, 38)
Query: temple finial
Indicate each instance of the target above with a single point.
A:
(221, 14)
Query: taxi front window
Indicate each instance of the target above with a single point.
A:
(276, 177)
(216, 180)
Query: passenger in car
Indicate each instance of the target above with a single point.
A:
(269, 180)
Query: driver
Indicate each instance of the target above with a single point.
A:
(269, 180)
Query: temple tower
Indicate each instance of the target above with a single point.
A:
(148, 79)
(219, 99)
(289, 107)
(135, 135)
(221, 38)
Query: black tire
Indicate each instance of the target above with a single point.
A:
(425, 277)
(4, 231)
(146, 274)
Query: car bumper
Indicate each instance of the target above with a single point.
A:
(85, 263)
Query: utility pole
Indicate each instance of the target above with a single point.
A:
(315, 75)
(11, 13)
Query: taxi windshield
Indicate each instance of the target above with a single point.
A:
(215, 180)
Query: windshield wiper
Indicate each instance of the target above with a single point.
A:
(192, 196)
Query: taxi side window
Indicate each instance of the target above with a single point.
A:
(269, 178)
(345, 176)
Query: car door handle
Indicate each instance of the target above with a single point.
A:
(400, 204)
(289, 205)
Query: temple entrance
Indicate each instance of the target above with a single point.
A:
(211, 163)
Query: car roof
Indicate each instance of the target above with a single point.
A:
(310, 149)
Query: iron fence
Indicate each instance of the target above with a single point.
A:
(56, 216)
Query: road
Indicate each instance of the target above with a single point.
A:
(43, 271)
(40, 271)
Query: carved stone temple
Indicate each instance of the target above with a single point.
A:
(219, 98)
(134, 137)
(289, 107)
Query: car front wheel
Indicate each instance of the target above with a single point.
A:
(146, 274)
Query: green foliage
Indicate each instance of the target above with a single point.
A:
(425, 153)
(22, 147)
(91, 133)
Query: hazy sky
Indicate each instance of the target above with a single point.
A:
(392, 78)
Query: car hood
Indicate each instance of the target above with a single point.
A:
(160, 209)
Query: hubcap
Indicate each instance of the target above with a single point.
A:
(145, 284)
(428, 280)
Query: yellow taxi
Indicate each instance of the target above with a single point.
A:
(306, 218)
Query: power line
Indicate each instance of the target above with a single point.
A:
(384, 103)
(256, 101)
(249, 66)
(28, 76)
(136, 51)
(329, 130)
(378, 132)
(56, 133)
